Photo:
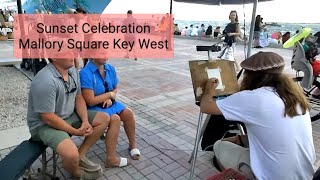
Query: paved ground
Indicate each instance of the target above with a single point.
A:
(160, 94)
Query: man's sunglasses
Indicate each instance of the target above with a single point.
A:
(66, 86)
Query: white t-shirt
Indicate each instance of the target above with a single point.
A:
(280, 147)
(194, 32)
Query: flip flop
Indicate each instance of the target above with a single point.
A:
(123, 162)
(135, 154)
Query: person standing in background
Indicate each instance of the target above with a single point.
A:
(257, 29)
(232, 31)
(130, 37)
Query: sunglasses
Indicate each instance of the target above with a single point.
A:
(66, 86)
(106, 87)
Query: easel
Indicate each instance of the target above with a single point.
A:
(200, 130)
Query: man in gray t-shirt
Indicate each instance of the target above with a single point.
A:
(56, 110)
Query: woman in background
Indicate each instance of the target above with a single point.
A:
(232, 31)
(258, 26)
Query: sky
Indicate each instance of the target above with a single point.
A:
(291, 11)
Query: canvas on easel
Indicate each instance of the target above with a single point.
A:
(223, 70)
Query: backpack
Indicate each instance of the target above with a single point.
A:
(217, 129)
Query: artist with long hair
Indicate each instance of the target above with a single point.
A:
(276, 116)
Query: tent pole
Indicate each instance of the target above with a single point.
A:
(253, 20)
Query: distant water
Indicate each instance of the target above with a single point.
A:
(292, 28)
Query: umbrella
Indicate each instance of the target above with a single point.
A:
(232, 2)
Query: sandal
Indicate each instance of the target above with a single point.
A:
(135, 154)
(123, 162)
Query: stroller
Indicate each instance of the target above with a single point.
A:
(307, 80)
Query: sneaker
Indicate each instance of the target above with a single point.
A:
(88, 165)
(85, 175)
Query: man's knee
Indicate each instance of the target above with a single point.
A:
(68, 151)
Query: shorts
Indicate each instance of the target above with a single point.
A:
(52, 137)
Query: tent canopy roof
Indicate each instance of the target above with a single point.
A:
(218, 2)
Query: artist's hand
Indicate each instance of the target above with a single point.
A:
(107, 103)
(211, 85)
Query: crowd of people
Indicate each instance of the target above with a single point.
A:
(198, 32)
(7, 15)
(262, 38)
(6, 24)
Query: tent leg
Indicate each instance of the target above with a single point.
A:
(253, 20)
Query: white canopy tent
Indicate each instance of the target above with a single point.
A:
(232, 2)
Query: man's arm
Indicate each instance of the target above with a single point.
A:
(56, 122)
(207, 104)
(43, 96)
(81, 108)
